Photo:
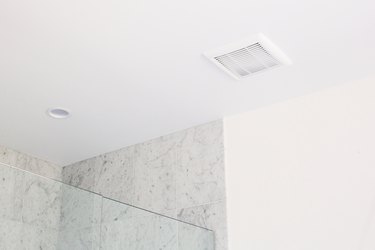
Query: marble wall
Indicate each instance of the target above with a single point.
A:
(126, 227)
(29, 210)
(180, 175)
(40, 213)
(30, 163)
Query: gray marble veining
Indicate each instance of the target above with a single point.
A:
(80, 220)
(8, 156)
(155, 183)
(194, 238)
(30, 210)
(10, 234)
(41, 202)
(175, 174)
(11, 182)
(45, 214)
(30, 163)
(15, 235)
(200, 181)
(165, 175)
(81, 174)
(125, 227)
(115, 175)
(40, 213)
(42, 168)
(211, 216)
(38, 237)
(79, 209)
(80, 238)
(200, 166)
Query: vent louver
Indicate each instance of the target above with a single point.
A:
(248, 57)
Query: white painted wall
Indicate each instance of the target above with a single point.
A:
(301, 174)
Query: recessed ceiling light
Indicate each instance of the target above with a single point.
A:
(58, 113)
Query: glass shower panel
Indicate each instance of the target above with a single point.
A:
(192, 237)
(40, 213)
(80, 217)
(30, 209)
(127, 227)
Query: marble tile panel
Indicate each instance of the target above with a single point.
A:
(11, 181)
(116, 236)
(7, 156)
(202, 140)
(121, 225)
(125, 227)
(38, 237)
(81, 174)
(10, 234)
(113, 211)
(159, 148)
(211, 216)
(44, 168)
(115, 178)
(80, 238)
(22, 160)
(200, 175)
(79, 209)
(41, 202)
(155, 189)
(190, 237)
(38, 166)
(155, 183)
(168, 233)
(170, 175)
(135, 233)
(200, 180)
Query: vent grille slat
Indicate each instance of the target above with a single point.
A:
(262, 55)
(247, 57)
(227, 62)
(248, 60)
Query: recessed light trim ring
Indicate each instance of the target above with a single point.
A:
(58, 113)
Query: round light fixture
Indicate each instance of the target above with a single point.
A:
(58, 113)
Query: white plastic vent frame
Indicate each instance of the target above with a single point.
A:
(248, 57)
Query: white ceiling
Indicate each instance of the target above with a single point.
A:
(133, 70)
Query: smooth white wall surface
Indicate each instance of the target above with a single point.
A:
(301, 174)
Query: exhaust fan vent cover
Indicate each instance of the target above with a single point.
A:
(248, 57)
